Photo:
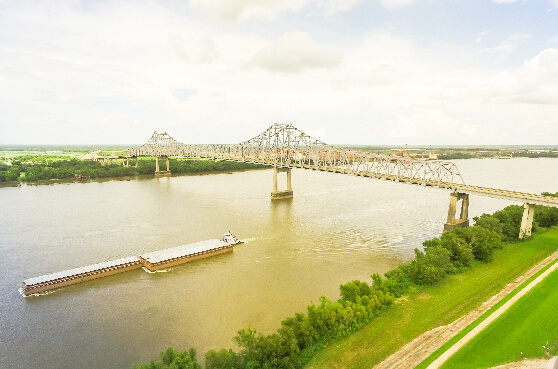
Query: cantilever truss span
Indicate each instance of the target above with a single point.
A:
(285, 146)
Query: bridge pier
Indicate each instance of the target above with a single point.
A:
(282, 194)
(160, 173)
(527, 220)
(463, 220)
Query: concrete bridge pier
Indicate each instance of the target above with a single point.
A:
(463, 220)
(282, 194)
(128, 161)
(527, 220)
(160, 173)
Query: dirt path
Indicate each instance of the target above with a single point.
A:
(421, 347)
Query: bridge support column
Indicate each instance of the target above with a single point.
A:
(463, 220)
(160, 173)
(276, 194)
(527, 221)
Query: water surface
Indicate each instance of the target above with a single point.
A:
(336, 229)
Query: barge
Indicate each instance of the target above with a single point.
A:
(151, 261)
(162, 259)
(77, 275)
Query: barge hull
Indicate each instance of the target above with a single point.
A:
(184, 259)
(75, 279)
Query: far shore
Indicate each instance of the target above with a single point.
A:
(54, 181)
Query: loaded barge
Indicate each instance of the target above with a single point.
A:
(77, 275)
(151, 261)
(162, 259)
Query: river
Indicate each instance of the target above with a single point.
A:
(337, 228)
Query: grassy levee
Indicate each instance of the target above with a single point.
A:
(434, 306)
(528, 329)
(484, 316)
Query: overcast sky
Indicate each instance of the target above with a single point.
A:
(222, 71)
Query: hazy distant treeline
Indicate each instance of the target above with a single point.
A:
(30, 168)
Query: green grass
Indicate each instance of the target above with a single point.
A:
(528, 329)
(435, 306)
(479, 320)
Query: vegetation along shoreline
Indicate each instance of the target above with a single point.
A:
(47, 169)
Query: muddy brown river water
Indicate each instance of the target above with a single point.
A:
(336, 228)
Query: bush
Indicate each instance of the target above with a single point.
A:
(546, 216)
(508, 222)
(483, 241)
(430, 267)
(171, 359)
(461, 252)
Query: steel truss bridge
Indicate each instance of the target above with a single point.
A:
(284, 147)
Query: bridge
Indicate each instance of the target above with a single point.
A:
(283, 147)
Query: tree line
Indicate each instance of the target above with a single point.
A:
(29, 169)
(301, 335)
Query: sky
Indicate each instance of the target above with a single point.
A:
(376, 72)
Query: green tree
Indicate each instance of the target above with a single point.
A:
(461, 252)
(222, 359)
(483, 241)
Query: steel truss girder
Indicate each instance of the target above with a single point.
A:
(283, 145)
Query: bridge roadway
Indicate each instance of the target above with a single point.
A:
(284, 147)
(523, 197)
(508, 195)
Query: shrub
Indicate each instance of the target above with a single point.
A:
(461, 252)
(483, 241)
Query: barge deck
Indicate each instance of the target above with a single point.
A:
(77, 275)
(151, 261)
(162, 259)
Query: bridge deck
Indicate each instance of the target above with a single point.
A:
(285, 146)
(508, 195)
(462, 188)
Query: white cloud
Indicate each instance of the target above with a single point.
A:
(129, 69)
(543, 67)
(535, 82)
(235, 11)
(393, 4)
(511, 43)
(377, 75)
(480, 36)
(200, 51)
(333, 6)
(295, 52)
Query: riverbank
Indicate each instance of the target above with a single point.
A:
(435, 306)
(49, 182)
(37, 169)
